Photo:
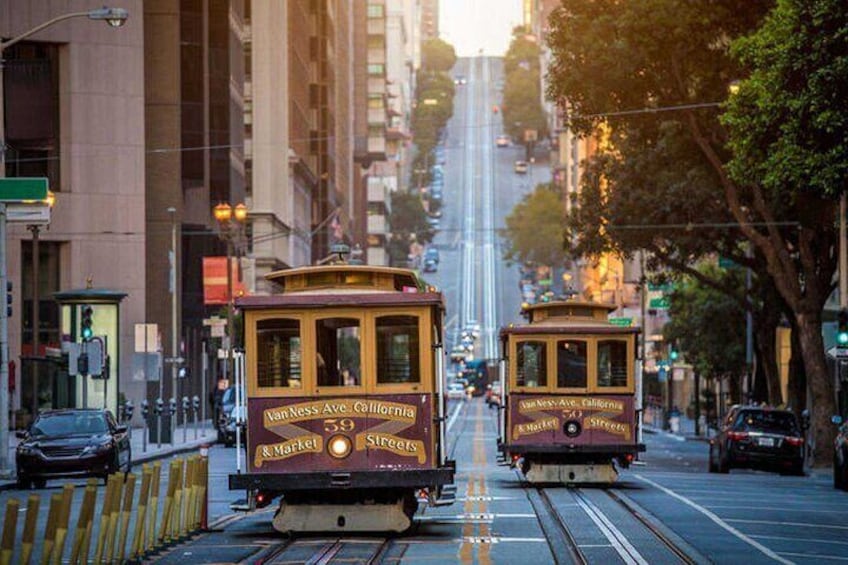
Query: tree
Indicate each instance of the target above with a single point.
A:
(533, 230)
(674, 57)
(522, 95)
(408, 222)
(437, 55)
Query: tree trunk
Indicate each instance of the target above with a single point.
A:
(796, 397)
(821, 432)
(766, 328)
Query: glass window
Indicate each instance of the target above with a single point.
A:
(532, 370)
(278, 353)
(376, 69)
(375, 10)
(571, 364)
(338, 352)
(612, 363)
(398, 350)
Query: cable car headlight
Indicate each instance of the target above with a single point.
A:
(339, 446)
(572, 428)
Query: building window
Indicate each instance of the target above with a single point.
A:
(31, 92)
(376, 11)
(376, 70)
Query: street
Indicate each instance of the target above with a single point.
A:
(665, 509)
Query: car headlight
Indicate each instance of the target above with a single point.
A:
(339, 446)
(97, 448)
(26, 450)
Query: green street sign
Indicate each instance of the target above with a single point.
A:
(23, 189)
(659, 303)
(623, 322)
(666, 287)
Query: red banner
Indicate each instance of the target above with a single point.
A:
(215, 280)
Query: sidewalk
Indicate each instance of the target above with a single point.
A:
(653, 423)
(206, 434)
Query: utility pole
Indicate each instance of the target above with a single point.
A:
(174, 291)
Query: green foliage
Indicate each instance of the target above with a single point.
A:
(789, 120)
(717, 348)
(534, 231)
(437, 55)
(407, 219)
(521, 104)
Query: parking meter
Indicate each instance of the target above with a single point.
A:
(145, 409)
(159, 406)
(128, 410)
(195, 403)
(185, 404)
(172, 406)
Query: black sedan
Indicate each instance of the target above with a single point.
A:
(72, 443)
(237, 417)
(755, 437)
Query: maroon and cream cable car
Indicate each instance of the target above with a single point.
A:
(344, 377)
(569, 404)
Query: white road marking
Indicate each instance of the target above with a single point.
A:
(618, 540)
(453, 416)
(718, 521)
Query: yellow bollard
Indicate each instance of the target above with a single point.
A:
(192, 506)
(204, 486)
(50, 530)
(89, 526)
(178, 498)
(187, 497)
(141, 514)
(10, 528)
(62, 525)
(111, 486)
(129, 490)
(153, 511)
(86, 512)
(114, 514)
(28, 539)
(167, 509)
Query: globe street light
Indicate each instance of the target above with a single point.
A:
(230, 221)
(115, 17)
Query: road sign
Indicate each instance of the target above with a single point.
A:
(31, 214)
(623, 322)
(177, 360)
(23, 189)
(661, 303)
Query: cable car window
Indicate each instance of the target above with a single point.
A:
(571, 364)
(337, 357)
(612, 363)
(532, 370)
(398, 350)
(278, 353)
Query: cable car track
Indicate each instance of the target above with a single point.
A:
(565, 546)
(327, 551)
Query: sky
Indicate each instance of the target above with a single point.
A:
(471, 25)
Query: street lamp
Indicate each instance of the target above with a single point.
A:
(230, 221)
(36, 322)
(115, 17)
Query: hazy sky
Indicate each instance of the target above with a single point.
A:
(471, 25)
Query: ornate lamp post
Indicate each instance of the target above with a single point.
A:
(230, 221)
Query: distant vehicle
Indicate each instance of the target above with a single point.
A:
(430, 266)
(493, 394)
(477, 373)
(433, 222)
(457, 354)
(72, 443)
(459, 80)
(230, 427)
(754, 437)
(456, 391)
(520, 167)
(432, 253)
(503, 140)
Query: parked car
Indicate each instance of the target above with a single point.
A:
(72, 443)
(840, 454)
(459, 80)
(756, 437)
(502, 140)
(430, 266)
(493, 394)
(230, 427)
(456, 391)
(432, 253)
(520, 167)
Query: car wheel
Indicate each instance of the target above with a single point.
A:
(798, 469)
(723, 465)
(24, 483)
(39, 483)
(713, 467)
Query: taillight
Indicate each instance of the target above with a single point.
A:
(736, 436)
(792, 440)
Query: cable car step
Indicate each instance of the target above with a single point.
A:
(240, 505)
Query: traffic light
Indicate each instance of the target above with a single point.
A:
(842, 328)
(9, 298)
(86, 331)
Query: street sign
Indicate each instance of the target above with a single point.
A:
(665, 287)
(661, 303)
(623, 322)
(29, 213)
(23, 189)
(177, 360)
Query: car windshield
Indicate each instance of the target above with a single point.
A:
(767, 421)
(69, 424)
